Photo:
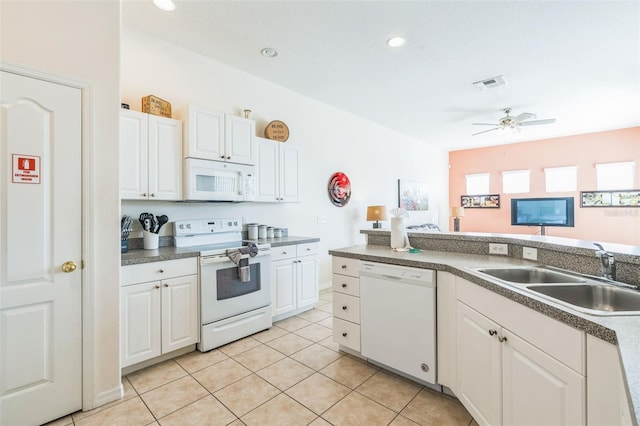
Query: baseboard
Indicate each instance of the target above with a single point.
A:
(325, 285)
(108, 396)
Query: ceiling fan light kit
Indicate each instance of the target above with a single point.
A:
(512, 124)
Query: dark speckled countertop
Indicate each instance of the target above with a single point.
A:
(621, 330)
(133, 257)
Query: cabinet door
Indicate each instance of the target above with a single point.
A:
(165, 158)
(179, 312)
(267, 170)
(140, 322)
(537, 389)
(239, 140)
(446, 323)
(204, 136)
(307, 274)
(134, 155)
(283, 286)
(289, 175)
(478, 365)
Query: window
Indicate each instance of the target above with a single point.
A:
(559, 179)
(515, 181)
(616, 175)
(477, 184)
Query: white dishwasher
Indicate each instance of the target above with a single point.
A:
(398, 318)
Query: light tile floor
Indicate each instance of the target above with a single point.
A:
(291, 374)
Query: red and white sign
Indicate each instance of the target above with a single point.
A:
(26, 169)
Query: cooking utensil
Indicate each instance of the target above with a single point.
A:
(162, 220)
(125, 227)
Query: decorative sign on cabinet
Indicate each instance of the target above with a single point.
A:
(150, 157)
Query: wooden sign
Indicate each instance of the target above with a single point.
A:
(277, 131)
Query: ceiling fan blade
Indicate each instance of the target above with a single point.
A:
(485, 131)
(536, 122)
(522, 117)
(483, 124)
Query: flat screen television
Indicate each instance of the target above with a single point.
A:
(550, 211)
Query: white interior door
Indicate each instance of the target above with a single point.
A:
(40, 226)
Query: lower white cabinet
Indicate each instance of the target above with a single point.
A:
(346, 302)
(294, 279)
(503, 378)
(158, 316)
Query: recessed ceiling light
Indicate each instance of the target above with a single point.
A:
(269, 52)
(396, 41)
(167, 5)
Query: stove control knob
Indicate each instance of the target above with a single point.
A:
(230, 223)
(181, 226)
(188, 226)
(235, 223)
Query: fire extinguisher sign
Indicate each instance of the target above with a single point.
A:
(26, 169)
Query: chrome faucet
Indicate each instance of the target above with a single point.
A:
(607, 261)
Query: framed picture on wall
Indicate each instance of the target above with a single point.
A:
(412, 195)
(489, 201)
(610, 198)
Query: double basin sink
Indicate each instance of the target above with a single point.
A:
(587, 294)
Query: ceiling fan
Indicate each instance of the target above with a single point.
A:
(512, 123)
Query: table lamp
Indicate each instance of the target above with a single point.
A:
(376, 213)
(457, 213)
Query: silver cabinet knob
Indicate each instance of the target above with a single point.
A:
(156, 286)
(344, 334)
(344, 285)
(344, 308)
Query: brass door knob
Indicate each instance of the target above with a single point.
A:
(69, 266)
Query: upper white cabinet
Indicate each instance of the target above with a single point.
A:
(277, 171)
(150, 157)
(213, 135)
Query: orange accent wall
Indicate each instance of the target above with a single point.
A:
(616, 225)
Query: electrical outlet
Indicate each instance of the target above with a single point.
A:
(322, 219)
(495, 248)
(529, 253)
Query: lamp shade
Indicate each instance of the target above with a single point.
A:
(377, 213)
(457, 211)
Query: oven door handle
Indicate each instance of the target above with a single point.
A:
(224, 258)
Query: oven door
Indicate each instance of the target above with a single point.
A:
(223, 295)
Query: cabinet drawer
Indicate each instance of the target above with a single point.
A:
(346, 285)
(153, 271)
(307, 249)
(346, 307)
(345, 266)
(283, 252)
(347, 334)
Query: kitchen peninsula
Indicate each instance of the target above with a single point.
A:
(457, 257)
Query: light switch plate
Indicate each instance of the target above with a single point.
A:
(495, 248)
(529, 253)
(322, 219)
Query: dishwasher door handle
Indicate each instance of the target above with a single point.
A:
(391, 277)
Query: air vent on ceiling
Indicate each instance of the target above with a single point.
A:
(490, 83)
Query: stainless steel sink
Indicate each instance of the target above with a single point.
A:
(531, 275)
(598, 299)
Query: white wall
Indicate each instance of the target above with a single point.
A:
(81, 40)
(330, 140)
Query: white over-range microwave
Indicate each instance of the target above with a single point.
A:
(209, 180)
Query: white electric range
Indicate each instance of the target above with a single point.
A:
(231, 306)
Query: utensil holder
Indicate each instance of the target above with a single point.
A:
(150, 240)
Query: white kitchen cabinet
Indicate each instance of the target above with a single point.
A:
(160, 314)
(607, 402)
(346, 302)
(512, 361)
(213, 135)
(150, 157)
(277, 171)
(294, 275)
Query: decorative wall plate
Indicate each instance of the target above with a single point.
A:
(339, 189)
